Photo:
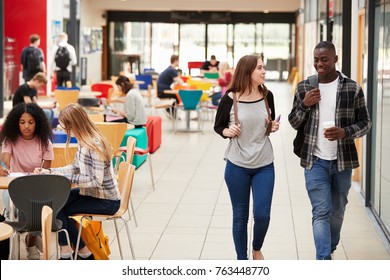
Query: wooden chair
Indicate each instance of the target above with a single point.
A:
(59, 154)
(129, 150)
(114, 132)
(96, 117)
(65, 97)
(125, 181)
(46, 218)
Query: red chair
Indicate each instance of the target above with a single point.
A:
(103, 88)
(194, 65)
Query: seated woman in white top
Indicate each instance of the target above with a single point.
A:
(133, 108)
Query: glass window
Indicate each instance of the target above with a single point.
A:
(164, 38)
(244, 40)
(217, 37)
(192, 44)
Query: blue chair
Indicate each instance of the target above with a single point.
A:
(147, 79)
(190, 102)
(68, 88)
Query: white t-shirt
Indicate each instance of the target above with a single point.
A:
(324, 148)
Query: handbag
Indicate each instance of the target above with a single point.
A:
(300, 136)
(94, 238)
(268, 121)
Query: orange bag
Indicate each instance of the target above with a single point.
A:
(94, 238)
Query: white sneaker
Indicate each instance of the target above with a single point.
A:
(32, 252)
(39, 244)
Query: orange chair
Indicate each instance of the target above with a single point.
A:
(103, 88)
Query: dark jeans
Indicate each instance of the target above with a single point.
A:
(240, 181)
(62, 77)
(77, 204)
(168, 95)
(215, 98)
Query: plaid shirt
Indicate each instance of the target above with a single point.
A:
(91, 174)
(351, 114)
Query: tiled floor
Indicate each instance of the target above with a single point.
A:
(188, 216)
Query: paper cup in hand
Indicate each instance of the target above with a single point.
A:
(328, 124)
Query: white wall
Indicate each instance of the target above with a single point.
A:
(91, 17)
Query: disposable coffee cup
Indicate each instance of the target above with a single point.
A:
(328, 124)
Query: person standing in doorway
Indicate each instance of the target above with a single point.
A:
(329, 153)
(245, 116)
(32, 59)
(64, 59)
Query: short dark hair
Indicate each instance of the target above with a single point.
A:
(213, 57)
(326, 45)
(34, 38)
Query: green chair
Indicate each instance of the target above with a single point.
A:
(211, 75)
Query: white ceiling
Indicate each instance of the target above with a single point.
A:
(198, 5)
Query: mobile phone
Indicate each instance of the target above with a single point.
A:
(278, 118)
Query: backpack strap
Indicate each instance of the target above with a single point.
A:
(235, 108)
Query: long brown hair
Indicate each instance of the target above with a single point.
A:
(74, 117)
(242, 80)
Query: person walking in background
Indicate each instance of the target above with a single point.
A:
(97, 189)
(329, 154)
(64, 57)
(28, 93)
(32, 59)
(249, 154)
(26, 144)
(211, 65)
(129, 104)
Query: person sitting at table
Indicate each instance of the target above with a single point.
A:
(26, 143)
(210, 66)
(28, 93)
(97, 189)
(129, 104)
(225, 77)
(167, 78)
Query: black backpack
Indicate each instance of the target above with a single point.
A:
(33, 60)
(62, 57)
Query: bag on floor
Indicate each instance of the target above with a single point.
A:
(94, 238)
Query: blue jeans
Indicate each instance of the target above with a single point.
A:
(77, 204)
(49, 115)
(328, 191)
(215, 98)
(240, 181)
